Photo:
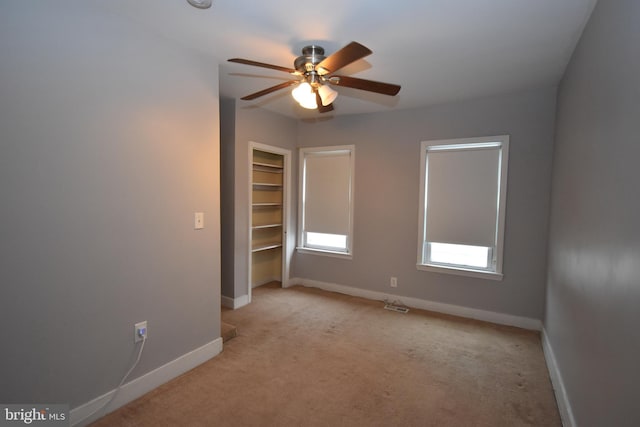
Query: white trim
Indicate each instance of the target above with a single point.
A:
(324, 252)
(294, 281)
(469, 144)
(456, 310)
(566, 414)
(234, 303)
(461, 271)
(145, 383)
(502, 206)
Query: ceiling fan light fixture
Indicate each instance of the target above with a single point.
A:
(327, 94)
(304, 95)
(309, 105)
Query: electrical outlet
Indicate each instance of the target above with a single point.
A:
(394, 282)
(140, 331)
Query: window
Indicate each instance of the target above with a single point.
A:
(463, 187)
(326, 200)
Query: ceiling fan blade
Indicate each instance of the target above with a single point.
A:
(263, 65)
(269, 90)
(368, 85)
(322, 108)
(345, 56)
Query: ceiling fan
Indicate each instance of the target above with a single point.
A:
(316, 72)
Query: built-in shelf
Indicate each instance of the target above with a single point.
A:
(267, 185)
(264, 205)
(266, 246)
(257, 227)
(267, 215)
(267, 167)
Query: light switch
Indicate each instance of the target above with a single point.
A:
(199, 221)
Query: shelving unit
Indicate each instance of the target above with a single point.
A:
(266, 217)
(267, 165)
(266, 205)
(255, 227)
(266, 186)
(266, 247)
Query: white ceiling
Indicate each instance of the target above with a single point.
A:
(439, 51)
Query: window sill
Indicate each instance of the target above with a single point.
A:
(461, 271)
(324, 252)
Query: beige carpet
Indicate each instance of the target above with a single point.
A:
(305, 357)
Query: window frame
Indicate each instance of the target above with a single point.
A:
(302, 246)
(495, 272)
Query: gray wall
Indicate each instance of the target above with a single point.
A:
(108, 145)
(227, 194)
(593, 291)
(386, 200)
(251, 125)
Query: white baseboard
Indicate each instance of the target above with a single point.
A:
(226, 301)
(566, 414)
(234, 303)
(292, 281)
(80, 416)
(456, 310)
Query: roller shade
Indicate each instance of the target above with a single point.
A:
(327, 192)
(462, 195)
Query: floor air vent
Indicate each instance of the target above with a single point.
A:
(395, 306)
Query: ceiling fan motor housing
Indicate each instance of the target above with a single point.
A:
(306, 64)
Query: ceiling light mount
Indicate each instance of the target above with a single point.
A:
(311, 56)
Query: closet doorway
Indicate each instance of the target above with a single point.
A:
(271, 243)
